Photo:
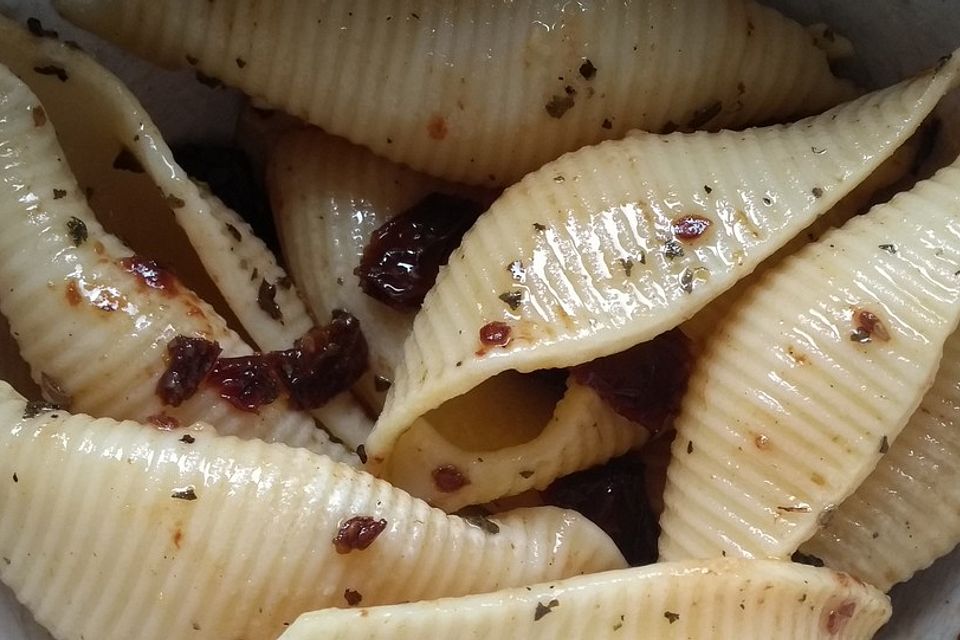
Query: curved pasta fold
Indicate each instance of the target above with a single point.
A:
(906, 514)
(721, 599)
(329, 196)
(620, 242)
(92, 320)
(812, 377)
(403, 77)
(186, 534)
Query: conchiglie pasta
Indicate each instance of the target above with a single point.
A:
(906, 514)
(92, 320)
(329, 196)
(620, 242)
(404, 79)
(812, 377)
(186, 534)
(722, 600)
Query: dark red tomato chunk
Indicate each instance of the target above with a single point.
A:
(495, 334)
(246, 382)
(403, 257)
(358, 533)
(324, 362)
(614, 497)
(644, 383)
(190, 360)
(690, 227)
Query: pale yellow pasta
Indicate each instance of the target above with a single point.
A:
(88, 325)
(117, 530)
(906, 514)
(720, 600)
(596, 239)
(485, 92)
(811, 378)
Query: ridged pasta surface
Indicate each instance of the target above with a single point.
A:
(722, 600)
(906, 514)
(812, 377)
(619, 242)
(116, 530)
(485, 92)
(88, 324)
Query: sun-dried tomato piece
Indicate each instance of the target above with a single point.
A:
(246, 382)
(190, 360)
(358, 533)
(324, 362)
(614, 497)
(644, 383)
(404, 255)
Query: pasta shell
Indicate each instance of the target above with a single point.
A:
(86, 323)
(329, 196)
(813, 374)
(721, 599)
(403, 78)
(906, 514)
(185, 534)
(599, 234)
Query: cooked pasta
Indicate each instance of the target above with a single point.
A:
(622, 241)
(906, 514)
(811, 378)
(186, 534)
(92, 320)
(405, 79)
(748, 600)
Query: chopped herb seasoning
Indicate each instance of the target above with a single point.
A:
(606, 124)
(539, 227)
(686, 280)
(241, 63)
(34, 408)
(613, 496)
(766, 200)
(671, 616)
(513, 299)
(627, 265)
(544, 609)
(889, 248)
(818, 151)
(267, 300)
(526, 474)
(448, 478)
(362, 454)
(381, 384)
(690, 446)
(884, 445)
(53, 70)
(77, 230)
(324, 362)
(174, 202)
(234, 232)
(352, 597)
(15, 477)
(208, 81)
(482, 522)
(186, 493)
(164, 422)
(587, 70)
(39, 116)
(246, 382)
(672, 249)
(150, 273)
(704, 115)
(690, 227)
(189, 361)
(867, 327)
(59, 193)
(35, 27)
(804, 558)
(53, 392)
(191, 60)
(708, 189)
(126, 161)
(817, 192)
(495, 334)
(358, 533)
(558, 105)
(401, 261)
(792, 509)
(188, 439)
